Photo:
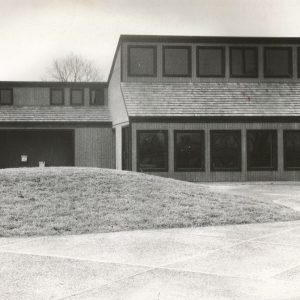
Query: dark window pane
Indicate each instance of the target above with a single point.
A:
(292, 149)
(152, 149)
(250, 61)
(177, 61)
(243, 62)
(262, 149)
(57, 96)
(6, 97)
(77, 97)
(141, 61)
(189, 150)
(210, 62)
(97, 97)
(225, 150)
(298, 61)
(237, 62)
(278, 62)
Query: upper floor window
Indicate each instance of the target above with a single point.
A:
(76, 96)
(142, 60)
(177, 61)
(97, 97)
(243, 62)
(6, 96)
(210, 61)
(278, 62)
(57, 96)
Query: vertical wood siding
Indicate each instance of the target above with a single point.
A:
(243, 175)
(86, 96)
(31, 96)
(94, 147)
(67, 96)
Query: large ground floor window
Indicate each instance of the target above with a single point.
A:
(261, 150)
(225, 150)
(222, 148)
(189, 150)
(291, 140)
(152, 150)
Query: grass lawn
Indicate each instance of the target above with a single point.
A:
(42, 201)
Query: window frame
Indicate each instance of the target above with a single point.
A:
(290, 62)
(11, 98)
(82, 94)
(129, 73)
(244, 61)
(275, 168)
(202, 152)
(189, 49)
(286, 168)
(166, 148)
(222, 75)
(239, 133)
(97, 89)
(51, 96)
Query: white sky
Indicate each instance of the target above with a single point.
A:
(34, 32)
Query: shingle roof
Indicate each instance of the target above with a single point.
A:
(53, 114)
(212, 99)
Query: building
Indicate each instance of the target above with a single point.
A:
(191, 108)
(59, 124)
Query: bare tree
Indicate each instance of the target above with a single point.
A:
(73, 68)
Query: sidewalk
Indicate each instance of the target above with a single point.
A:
(259, 261)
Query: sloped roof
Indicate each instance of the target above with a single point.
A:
(54, 114)
(211, 99)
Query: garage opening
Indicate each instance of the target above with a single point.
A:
(33, 148)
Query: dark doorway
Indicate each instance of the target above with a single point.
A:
(125, 149)
(26, 148)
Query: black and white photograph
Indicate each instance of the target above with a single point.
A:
(149, 149)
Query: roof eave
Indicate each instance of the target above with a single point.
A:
(208, 39)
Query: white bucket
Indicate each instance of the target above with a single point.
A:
(41, 164)
(23, 158)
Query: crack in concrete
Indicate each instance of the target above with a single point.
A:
(165, 266)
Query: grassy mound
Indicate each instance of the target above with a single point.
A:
(81, 200)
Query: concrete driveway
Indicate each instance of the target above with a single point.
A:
(260, 261)
(281, 192)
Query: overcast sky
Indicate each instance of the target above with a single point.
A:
(34, 32)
